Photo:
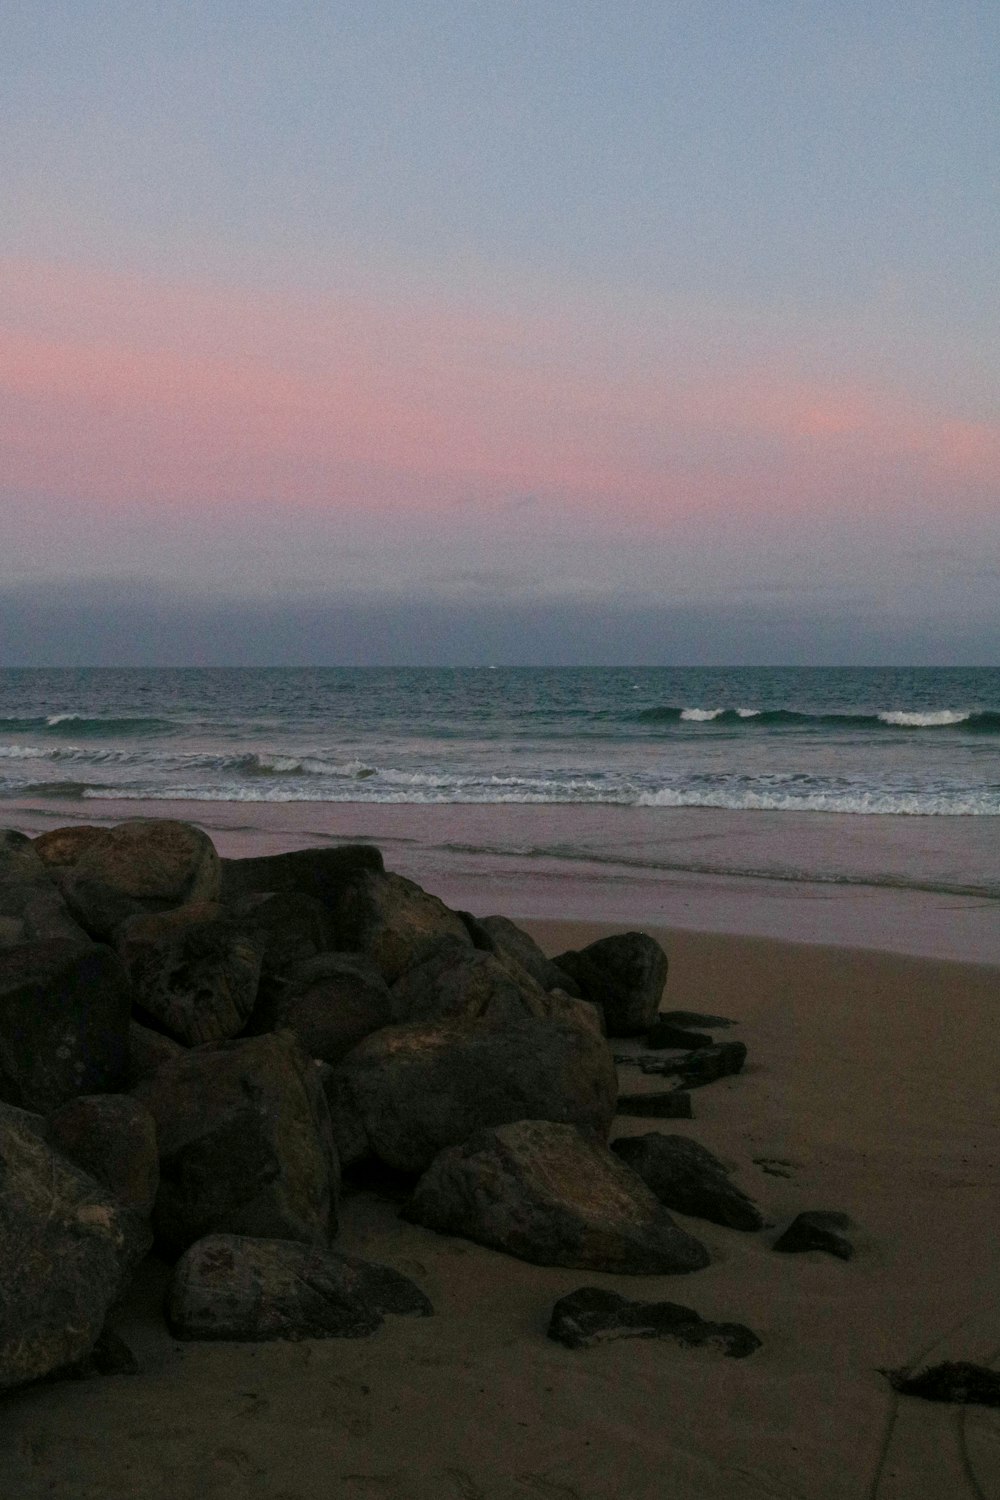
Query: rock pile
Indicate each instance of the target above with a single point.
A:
(193, 1050)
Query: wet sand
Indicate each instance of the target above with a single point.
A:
(871, 1087)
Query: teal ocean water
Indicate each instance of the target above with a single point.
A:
(865, 742)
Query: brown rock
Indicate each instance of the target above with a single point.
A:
(62, 847)
(32, 909)
(624, 975)
(394, 921)
(331, 1002)
(143, 866)
(113, 1138)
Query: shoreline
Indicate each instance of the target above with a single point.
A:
(867, 1089)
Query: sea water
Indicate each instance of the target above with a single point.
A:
(885, 777)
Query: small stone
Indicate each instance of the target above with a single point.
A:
(592, 1315)
(817, 1229)
(958, 1381)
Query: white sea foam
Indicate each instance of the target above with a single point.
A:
(54, 719)
(21, 752)
(899, 804)
(748, 713)
(931, 720)
(700, 715)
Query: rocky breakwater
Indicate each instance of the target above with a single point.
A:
(194, 1050)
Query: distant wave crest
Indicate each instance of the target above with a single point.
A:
(981, 721)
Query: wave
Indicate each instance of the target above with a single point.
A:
(85, 724)
(980, 721)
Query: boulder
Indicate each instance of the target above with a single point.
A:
(665, 1104)
(686, 1177)
(32, 909)
(141, 867)
(148, 1050)
(593, 1315)
(193, 970)
(113, 1138)
(455, 979)
(319, 873)
(60, 848)
(957, 1381)
(331, 1002)
(236, 1287)
(417, 1088)
(513, 942)
(393, 921)
(623, 974)
(246, 1145)
(66, 1251)
(817, 1229)
(64, 1014)
(554, 1195)
(288, 928)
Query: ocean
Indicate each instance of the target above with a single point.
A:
(617, 778)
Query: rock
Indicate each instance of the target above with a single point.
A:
(554, 1195)
(235, 1287)
(32, 909)
(148, 1050)
(193, 970)
(319, 873)
(709, 1063)
(689, 1018)
(665, 1034)
(66, 1249)
(593, 1316)
(817, 1229)
(64, 1014)
(688, 1179)
(109, 1356)
(625, 975)
(331, 1002)
(143, 866)
(513, 942)
(420, 1087)
(457, 980)
(666, 1104)
(957, 1381)
(113, 1138)
(393, 921)
(246, 1145)
(62, 847)
(288, 929)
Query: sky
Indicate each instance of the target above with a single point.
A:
(473, 331)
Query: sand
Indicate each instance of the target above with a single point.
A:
(871, 1087)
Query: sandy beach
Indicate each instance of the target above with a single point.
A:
(870, 1087)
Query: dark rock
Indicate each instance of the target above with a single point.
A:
(193, 971)
(667, 1104)
(510, 940)
(67, 1249)
(956, 1381)
(666, 1034)
(331, 1002)
(593, 1316)
(288, 929)
(553, 1195)
(320, 873)
(349, 1135)
(688, 1179)
(394, 922)
(456, 980)
(148, 1050)
(708, 1064)
(32, 909)
(817, 1229)
(141, 867)
(625, 975)
(246, 1144)
(109, 1356)
(113, 1138)
(62, 847)
(234, 1287)
(421, 1087)
(688, 1018)
(478, 935)
(64, 1014)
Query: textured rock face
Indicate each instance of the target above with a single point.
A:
(66, 1249)
(141, 867)
(625, 975)
(193, 970)
(553, 1195)
(113, 1138)
(237, 1287)
(394, 922)
(289, 929)
(31, 906)
(147, 1052)
(689, 1179)
(331, 1003)
(62, 847)
(64, 1015)
(456, 980)
(246, 1145)
(818, 1229)
(593, 1316)
(511, 941)
(417, 1088)
(320, 873)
